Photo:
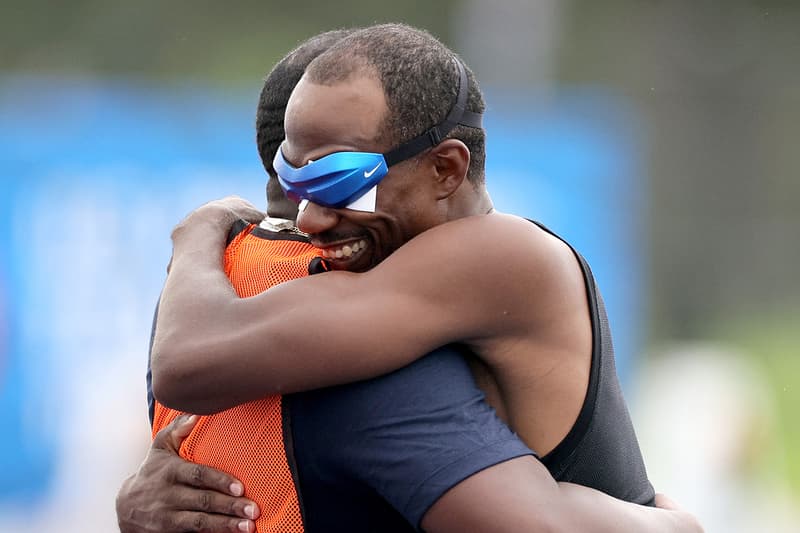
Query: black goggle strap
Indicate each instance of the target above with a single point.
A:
(458, 115)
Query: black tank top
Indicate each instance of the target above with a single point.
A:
(601, 450)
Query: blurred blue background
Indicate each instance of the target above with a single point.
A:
(657, 139)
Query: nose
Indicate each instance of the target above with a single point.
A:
(314, 218)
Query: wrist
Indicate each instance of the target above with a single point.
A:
(208, 221)
(200, 241)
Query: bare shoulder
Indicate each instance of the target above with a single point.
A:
(507, 263)
(497, 243)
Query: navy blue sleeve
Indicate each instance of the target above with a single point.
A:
(151, 401)
(408, 436)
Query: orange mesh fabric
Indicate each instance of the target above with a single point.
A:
(247, 441)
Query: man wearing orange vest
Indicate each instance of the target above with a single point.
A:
(210, 440)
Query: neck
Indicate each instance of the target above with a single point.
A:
(485, 205)
(469, 201)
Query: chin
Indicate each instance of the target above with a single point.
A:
(362, 266)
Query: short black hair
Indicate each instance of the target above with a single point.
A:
(420, 80)
(275, 93)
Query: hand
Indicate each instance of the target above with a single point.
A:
(207, 227)
(221, 213)
(170, 495)
(685, 521)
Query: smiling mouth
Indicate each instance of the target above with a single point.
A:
(344, 251)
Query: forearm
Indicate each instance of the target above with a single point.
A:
(583, 509)
(213, 350)
(192, 369)
(521, 495)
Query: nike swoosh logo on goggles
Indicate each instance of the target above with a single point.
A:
(336, 180)
(350, 179)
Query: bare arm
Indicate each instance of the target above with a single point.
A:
(519, 495)
(337, 327)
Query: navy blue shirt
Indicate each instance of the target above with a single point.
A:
(375, 455)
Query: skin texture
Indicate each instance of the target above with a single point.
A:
(419, 283)
(418, 296)
(170, 495)
(385, 230)
(417, 194)
(541, 507)
(513, 496)
(190, 497)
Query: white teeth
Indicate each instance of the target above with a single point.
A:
(345, 251)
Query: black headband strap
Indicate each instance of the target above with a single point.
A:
(457, 115)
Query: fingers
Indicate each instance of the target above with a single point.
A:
(195, 475)
(242, 209)
(238, 207)
(171, 437)
(204, 477)
(220, 213)
(212, 502)
(206, 523)
(685, 521)
(664, 502)
(169, 494)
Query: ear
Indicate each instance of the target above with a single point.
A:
(450, 163)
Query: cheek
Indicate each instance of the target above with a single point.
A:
(410, 207)
(417, 215)
(385, 230)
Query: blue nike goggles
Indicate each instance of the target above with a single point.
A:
(336, 180)
(350, 179)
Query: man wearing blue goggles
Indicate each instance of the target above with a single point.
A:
(350, 179)
(440, 267)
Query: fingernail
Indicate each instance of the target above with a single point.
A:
(244, 525)
(250, 510)
(190, 419)
(236, 489)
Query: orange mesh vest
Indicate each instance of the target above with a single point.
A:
(247, 441)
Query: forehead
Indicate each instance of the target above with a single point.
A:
(345, 116)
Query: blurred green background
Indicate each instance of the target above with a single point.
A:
(715, 87)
